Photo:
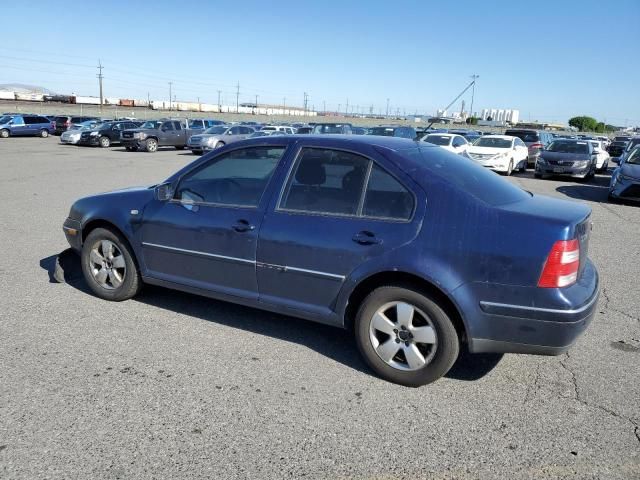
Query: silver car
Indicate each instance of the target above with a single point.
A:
(218, 136)
(72, 136)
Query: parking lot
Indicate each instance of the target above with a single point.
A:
(171, 385)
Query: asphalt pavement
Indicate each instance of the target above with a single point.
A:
(171, 385)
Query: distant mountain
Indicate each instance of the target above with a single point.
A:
(22, 88)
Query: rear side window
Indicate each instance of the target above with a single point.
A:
(167, 126)
(386, 197)
(30, 120)
(326, 181)
(177, 125)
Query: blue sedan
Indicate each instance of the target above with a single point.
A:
(418, 251)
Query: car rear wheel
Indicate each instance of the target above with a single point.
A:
(108, 266)
(105, 142)
(523, 167)
(44, 133)
(405, 336)
(219, 145)
(151, 145)
(4, 133)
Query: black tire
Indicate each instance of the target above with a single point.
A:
(151, 145)
(537, 175)
(523, 168)
(180, 147)
(104, 142)
(44, 133)
(130, 149)
(131, 283)
(446, 349)
(4, 133)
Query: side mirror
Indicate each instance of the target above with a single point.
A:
(164, 192)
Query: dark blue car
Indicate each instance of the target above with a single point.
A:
(418, 250)
(26, 125)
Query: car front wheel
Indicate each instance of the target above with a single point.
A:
(151, 145)
(406, 337)
(105, 142)
(109, 267)
(4, 133)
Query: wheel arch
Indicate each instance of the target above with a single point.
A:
(407, 280)
(91, 225)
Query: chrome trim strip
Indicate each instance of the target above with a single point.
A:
(546, 310)
(195, 252)
(243, 260)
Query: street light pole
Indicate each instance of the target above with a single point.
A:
(474, 77)
(170, 97)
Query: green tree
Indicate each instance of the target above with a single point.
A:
(584, 123)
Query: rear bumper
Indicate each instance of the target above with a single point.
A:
(510, 328)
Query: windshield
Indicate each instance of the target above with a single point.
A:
(493, 142)
(382, 131)
(634, 157)
(5, 119)
(215, 130)
(151, 124)
(441, 140)
(568, 146)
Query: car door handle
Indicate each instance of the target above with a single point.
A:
(366, 238)
(243, 226)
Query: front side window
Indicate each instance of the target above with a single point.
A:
(234, 131)
(236, 178)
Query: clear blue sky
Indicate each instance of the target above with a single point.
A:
(549, 59)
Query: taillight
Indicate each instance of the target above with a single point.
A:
(536, 145)
(561, 267)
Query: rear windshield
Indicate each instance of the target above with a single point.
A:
(60, 119)
(528, 137)
(382, 131)
(327, 129)
(568, 146)
(470, 177)
(438, 139)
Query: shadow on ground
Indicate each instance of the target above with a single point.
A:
(328, 341)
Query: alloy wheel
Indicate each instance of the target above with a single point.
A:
(107, 264)
(403, 336)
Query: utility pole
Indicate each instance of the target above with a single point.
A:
(170, 97)
(387, 107)
(256, 101)
(284, 104)
(238, 97)
(306, 99)
(219, 104)
(346, 109)
(324, 106)
(339, 105)
(474, 77)
(100, 82)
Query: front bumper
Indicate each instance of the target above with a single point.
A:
(624, 189)
(570, 171)
(497, 327)
(131, 142)
(73, 232)
(68, 140)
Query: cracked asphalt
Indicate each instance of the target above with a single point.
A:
(171, 385)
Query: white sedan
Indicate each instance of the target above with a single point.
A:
(449, 141)
(501, 153)
(602, 160)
